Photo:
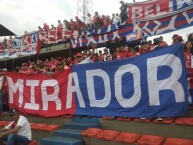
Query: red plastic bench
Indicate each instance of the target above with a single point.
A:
(150, 140)
(126, 137)
(50, 128)
(178, 141)
(184, 121)
(37, 126)
(108, 134)
(92, 132)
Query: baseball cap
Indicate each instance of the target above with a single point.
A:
(143, 42)
(174, 36)
(13, 112)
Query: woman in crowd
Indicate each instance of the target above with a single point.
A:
(188, 52)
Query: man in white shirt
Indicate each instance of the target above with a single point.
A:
(18, 131)
(80, 57)
(107, 55)
(89, 22)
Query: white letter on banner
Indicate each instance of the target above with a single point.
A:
(115, 35)
(170, 83)
(50, 97)
(137, 12)
(91, 90)
(74, 42)
(149, 11)
(13, 89)
(80, 41)
(134, 100)
(180, 3)
(75, 88)
(103, 38)
(90, 40)
(32, 105)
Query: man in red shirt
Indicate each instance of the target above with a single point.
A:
(1, 47)
(162, 43)
(144, 47)
(46, 27)
(25, 69)
(59, 30)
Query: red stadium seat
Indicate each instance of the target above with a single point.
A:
(107, 134)
(31, 124)
(179, 121)
(92, 132)
(150, 140)
(124, 119)
(165, 120)
(178, 141)
(50, 128)
(37, 126)
(184, 121)
(4, 123)
(126, 137)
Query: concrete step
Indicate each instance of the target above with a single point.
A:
(84, 119)
(56, 140)
(75, 133)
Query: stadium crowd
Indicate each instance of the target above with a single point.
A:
(52, 66)
(122, 51)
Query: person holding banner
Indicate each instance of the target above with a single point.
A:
(18, 131)
(188, 53)
(3, 91)
(1, 88)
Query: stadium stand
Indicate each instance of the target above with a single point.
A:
(110, 130)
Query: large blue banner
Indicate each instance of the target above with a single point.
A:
(150, 85)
